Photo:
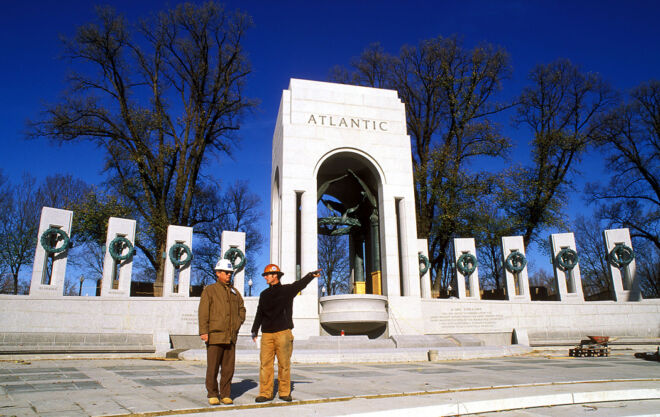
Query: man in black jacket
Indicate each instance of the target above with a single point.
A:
(274, 316)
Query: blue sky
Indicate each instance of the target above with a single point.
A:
(304, 39)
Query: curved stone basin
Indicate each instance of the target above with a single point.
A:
(354, 313)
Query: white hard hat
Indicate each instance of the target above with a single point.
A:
(224, 265)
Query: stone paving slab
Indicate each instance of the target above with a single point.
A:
(123, 386)
(605, 409)
(466, 402)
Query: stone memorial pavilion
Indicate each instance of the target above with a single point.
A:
(340, 150)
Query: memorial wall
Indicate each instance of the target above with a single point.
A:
(344, 148)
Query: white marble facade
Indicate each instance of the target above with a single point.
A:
(517, 283)
(467, 286)
(624, 285)
(117, 273)
(324, 126)
(174, 286)
(569, 281)
(323, 129)
(425, 279)
(48, 271)
(236, 240)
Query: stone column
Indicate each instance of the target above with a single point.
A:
(118, 228)
(568, 281)
(275, 219)
(359, 271)
(403, 243)
(623, 281)
(389, 259)
(235, 240)
(287, 244)
(509, 245)
(466, 247)
(183, 235)
(41, 284)
(351, 262)
(410, 242)
(375, 272)
(425, 280)
(309, 239)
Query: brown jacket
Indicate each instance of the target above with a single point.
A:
(221, 313)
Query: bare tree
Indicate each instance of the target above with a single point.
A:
(562, 108)
(8, 286)
(373, 68)
(20, 212)
(71, 287)
(91, 256)
(631, 134)
(19, 227)
(333, 260)
(544, 279)
(593, 257)
(63, 191)
(486, 223)
(449, 95)
(647, 259)
(237, 210)
(158, 97)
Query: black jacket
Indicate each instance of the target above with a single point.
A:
(275, 309)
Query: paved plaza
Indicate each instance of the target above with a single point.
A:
(103, 387)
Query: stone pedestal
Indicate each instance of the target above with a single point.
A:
(122, 287)
(509, 245)
(183, 235)
(623, 280)
(462, 247)
(44, 284)
(235, 240)
(425, 280)
(568, 281)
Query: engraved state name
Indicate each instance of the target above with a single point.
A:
(347, 122)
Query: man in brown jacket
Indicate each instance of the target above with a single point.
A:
(221, 314)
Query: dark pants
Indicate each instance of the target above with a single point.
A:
(224, 357)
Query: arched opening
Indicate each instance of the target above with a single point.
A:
(348, 225)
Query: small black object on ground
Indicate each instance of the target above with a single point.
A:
(649, 356)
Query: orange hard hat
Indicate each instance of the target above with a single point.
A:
(272, 269)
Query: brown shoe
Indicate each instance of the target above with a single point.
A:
(286, 398)
(262, 399)
(214, 401)
(227, 401)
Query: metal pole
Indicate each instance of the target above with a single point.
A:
(82, 278)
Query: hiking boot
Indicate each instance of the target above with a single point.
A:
(262, 399)
(214, 401)
(286, 398)
(227, 401)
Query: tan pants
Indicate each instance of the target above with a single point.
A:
(224, 357)
(278, 344)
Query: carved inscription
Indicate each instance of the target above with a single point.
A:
(347, 122)
(468, 318)
(189, 318)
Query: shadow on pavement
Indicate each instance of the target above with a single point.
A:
(242, 387)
